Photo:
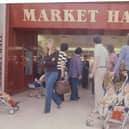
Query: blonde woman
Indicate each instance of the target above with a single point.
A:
(51, 75)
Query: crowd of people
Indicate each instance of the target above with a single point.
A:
(57, 66)
(105, 60)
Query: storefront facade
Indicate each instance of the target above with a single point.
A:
(26, 21)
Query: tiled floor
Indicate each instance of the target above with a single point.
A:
(72, 115)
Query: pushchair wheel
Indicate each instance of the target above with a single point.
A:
(89, 123)
(127, 126)
(30, 95)
(16, 108)
(11, 111)
(105, 127)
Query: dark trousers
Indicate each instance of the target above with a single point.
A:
(92, 86)
(74, 88)
(85, 82)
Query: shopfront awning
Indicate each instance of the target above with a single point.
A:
(56, 1)
(103, 15)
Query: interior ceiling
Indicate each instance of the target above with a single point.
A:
(81, 37)
(83, 31)
(77, 31)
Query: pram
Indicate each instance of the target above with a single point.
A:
(36, 88)
(107, 119)
(6, 100)
(117, 117)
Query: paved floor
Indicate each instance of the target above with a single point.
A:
(72, 115)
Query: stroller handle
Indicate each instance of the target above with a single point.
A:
(114, 78)
(124, 83)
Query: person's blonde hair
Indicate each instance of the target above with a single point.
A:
(45, 46)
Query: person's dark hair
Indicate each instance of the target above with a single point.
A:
(85, 56)
(78, 51)
(97, 39)
(64, 47)
(110, 48)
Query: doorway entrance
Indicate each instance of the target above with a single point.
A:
(28, 44)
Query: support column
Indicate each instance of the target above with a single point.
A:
(2, 45)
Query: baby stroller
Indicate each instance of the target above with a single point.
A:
(36, 88)
(96, 115)
(117, 117)
(6, 100)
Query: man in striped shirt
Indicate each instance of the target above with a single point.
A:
(62, 60)
(61, 64)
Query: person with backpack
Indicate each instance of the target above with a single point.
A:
(85, 72)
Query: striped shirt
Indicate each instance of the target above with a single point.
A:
(62, 60)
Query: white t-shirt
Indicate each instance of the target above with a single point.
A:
(101, 52)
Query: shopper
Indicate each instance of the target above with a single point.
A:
(111, 64)
(62, 60)
(112, 57)
(91, 80)
(85, 72)
(62, 63)
(75, 70)
(99, 68)
(124, 55)
(51, 75)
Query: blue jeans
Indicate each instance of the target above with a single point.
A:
(128, 77)
(51, 78)
(74, 89)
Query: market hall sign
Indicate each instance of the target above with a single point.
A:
(113, 16)
(55, 15)
(76, 15)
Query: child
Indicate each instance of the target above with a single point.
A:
(109, 98)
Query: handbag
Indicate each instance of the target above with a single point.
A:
(62, 87)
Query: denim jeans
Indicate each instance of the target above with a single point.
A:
(51, 78)
(74, 88)
(128, 77)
